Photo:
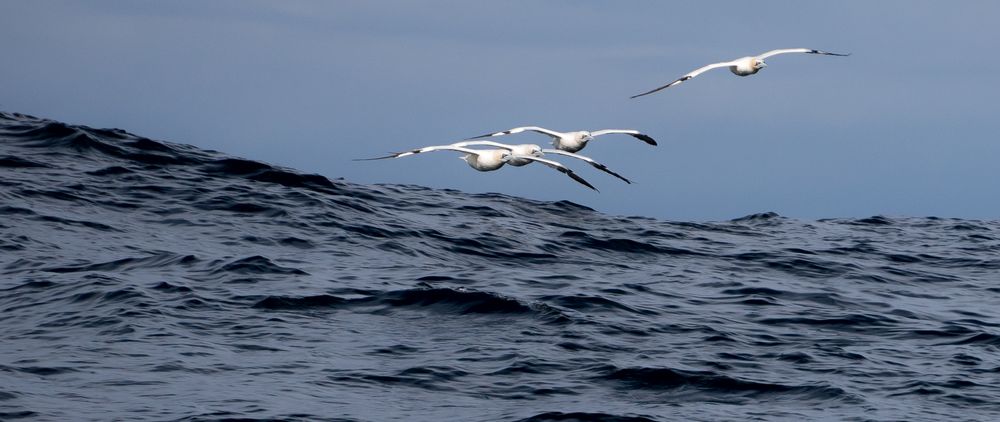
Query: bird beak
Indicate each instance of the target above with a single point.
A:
(762, 64)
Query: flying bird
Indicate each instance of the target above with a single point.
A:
(539, 152)
(743, 66)
(570, 141)
(489, 159)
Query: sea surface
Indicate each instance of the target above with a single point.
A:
(148, 280)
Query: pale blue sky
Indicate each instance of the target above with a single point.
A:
(906, 126)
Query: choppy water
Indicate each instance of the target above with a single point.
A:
(150, 280)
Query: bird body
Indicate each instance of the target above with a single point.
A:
(487, 160)
(745, 66)
(518, 152)
(572, 141)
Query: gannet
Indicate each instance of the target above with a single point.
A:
(743, 66)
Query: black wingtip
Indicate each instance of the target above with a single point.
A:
(663, 87)
(605, 169)
(479, 137)
(646, 93)
(645, 138)
(491, 134)
(580, 180)
(827, 53)
(376, 158)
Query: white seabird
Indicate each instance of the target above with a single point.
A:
(743, 66)
(489, 159)
(570, 141)
(539, 152)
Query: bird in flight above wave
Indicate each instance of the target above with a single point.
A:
(489, 159)
(570, 141)
(743, 66)
(539, 152)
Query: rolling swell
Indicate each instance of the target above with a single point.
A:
(583, 417)
(443, 300)
(707, 385)
(172, 283)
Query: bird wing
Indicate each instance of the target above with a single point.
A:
(422, 150)
(561, 168)
(551, 133)
(597, 165)
(798, 50)
(632, 132)
(486, 143)
(696, 72)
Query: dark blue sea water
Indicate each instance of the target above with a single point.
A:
(146, 280)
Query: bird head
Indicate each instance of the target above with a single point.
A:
(585, 136)
(534, 151)
(759, 64)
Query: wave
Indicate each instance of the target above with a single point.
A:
(584, 417)
(711, 384)
(219, 287)
(442, 300)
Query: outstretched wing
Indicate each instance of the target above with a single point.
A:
(681, 79)
(551, 133)
(634, 133)
(486, 143)
(597, 165)
(798, 50)
(422, 150)
(563, 169)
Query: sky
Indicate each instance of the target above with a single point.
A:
(905, 126)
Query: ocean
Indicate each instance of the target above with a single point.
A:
(150, 280)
